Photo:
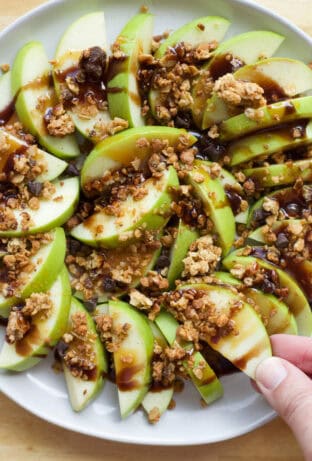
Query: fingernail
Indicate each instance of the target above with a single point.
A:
(270, 373)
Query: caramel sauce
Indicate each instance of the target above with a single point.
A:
(218, 363)
(254, 352)
(125, 378)
(7, 113)
(31, 339)
(116, 66)
(234, 199)
(273, 92)
(158, 387)
(302, 273)
(224, 64)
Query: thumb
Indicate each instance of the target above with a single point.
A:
(289, 392)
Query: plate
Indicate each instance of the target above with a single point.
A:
(42, 392)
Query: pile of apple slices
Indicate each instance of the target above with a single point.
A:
(236, 201)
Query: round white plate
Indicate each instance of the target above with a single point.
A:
(40, 390)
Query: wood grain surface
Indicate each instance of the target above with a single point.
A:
(24, 437)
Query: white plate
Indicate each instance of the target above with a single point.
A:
(41, 391)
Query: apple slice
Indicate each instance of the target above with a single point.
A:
(158, 397)
(47, 263)
(280, 174)
(274, 313)
(296, 300)
(53, 166)
(31, 75)
(6, 98)
(186, 236)
(67, 57)
(246, 48)
(215, 203)
(209, 386)
(271, 115)
(151, 213)
(133, 358)
(122, 87)
(123, 148)
(44, 332)
(279, 77)
(52, 212)
(83, 391)
(269, 142)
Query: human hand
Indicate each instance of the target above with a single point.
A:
(285, 383)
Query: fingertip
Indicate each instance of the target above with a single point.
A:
(270, 373)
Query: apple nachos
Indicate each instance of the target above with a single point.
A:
(155, 207)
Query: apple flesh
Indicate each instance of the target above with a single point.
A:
(186, 236)
(54, 166)
(274, 313)
(132, 378)
(211, 193)
(267, 143)
(272, 115)
(51, 213)
(47, 263)
(296, 300)
(82, 392)
(31, 74)
(280, 174)
(44, 333)
(6, 97)
(67, 58)
(246, 48)
(121, 149)
(150, 213)
(122, 88)
(209, 386)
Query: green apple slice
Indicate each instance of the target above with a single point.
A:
(209, 386)
(272, 115)
(150, 213)
(47, 263)
(123, 148)
(258, 235)
(296, 300)
(123, 92)
(54, 166)
(246, 48)
(132, 377)
(275, 314)
(6, 97)
(31, 81)
(281, 174)
(159, 398)
(53, 212)
(285, 77)
(247, 349)
(186, 236)
(43, 334)
(82, 392)
(215, 203)
(269, 142)
(67, 57)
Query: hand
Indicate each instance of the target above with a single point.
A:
(285, 383)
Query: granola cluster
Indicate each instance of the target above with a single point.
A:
(111, 335)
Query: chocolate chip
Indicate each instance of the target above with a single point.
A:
(293, 210)
(93, 64)
(72, 170)
(210, 149)
(267, 286)
(60, 350)
(35, 188)
(282, 240)
(162, 262)
(91, 304)
(73, 246)
(183, 120)
(109, 285)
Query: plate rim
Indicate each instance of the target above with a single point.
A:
(123, 438)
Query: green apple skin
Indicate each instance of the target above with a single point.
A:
(6, 96)
(48, 262)
(280, 174)
(186, 236)
(121, 149)
(215, 203)
(47, 331)
(248, 47)
(278, 318)
(291, 76)
(51, 213)
(296, 300)
(122, 88)
(273, 115)
(132, 380)
(267, 143)
(68, 54)
(251, 345)
(162, 397)
(209, 386)
(82, 392)
(151, 212)
(54, 166)
(30, 80)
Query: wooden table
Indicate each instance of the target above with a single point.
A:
(25, 437)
